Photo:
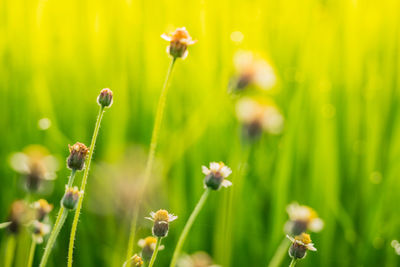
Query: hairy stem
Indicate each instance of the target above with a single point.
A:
(150, 159)
(188, 225)
(293, 262)
(153, 257)
(83, 185)
(31, 253)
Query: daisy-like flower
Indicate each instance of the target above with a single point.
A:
(300, 245)
(252, 69)
(39, 230)
(257, 116)
(36, 164)
(148, 246)
(134, 261)
(179, 41)
(78, 153)
(161, 220)
(43, 208)
(301, 219)
(215, 175)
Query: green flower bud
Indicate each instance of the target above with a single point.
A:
(105, 99)
(77, 156)
(71, 198)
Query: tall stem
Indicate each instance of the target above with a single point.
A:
(31, 253)
(83, 186)
(61, 217)
(188, 225)
(293, 262)
(154, 256)
(150, 159)
(10, 250)
(279, 253)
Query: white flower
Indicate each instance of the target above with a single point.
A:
(303, 240)
(39, 231)
(219, 171)
(162, 216)
(305, 214)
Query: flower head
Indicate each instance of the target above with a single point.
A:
(302, 218)
(216, 174)
(300, 245)
(20, 215)
(161, 220)
(71, 197)
(105, 98)
(78, 153)
(39, 230)
(43, 208)
(36, 164)
(134, 261)
(148, 246)
(179, 41)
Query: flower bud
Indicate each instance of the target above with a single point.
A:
(179, 41)
(148, 246)
(215, 176)
(300, 245)
(161, 221)
(105, 99)
(77, 156)
(134, 261)
(71, 198)
(42, 208)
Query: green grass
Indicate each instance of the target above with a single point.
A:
(338, 67)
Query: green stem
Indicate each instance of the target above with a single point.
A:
(293, 262)
(153, 257)
(279, 253)
(31, 253)
(150, 159)
(83, 185)
(10, 249)
(61, 217)
(188, 225)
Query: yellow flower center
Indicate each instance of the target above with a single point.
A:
(161, 215)
(148, 241)
(305, 238)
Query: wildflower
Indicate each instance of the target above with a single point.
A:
(39, 230)
(134, 261)
(105, 99)
(161, 221)
(198, 259)
(148, 246)
(215, 176)
(36, 164)
(71, 198)
(43, 208)
(396, 245)
(302, 218)
(257, 117)
(300, 245)
(20, 215)
(252, 69)
(179, 41)
(77, 156)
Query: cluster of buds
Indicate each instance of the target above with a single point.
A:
(215, 175)
(302, 219)
(300, 245)
(71, 198)
(148, 246)
(258, 116)
(77, 157)
(134, 261)
(161, 220)
(105, 99)
(179, 42)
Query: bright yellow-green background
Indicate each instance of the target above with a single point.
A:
(338, 68)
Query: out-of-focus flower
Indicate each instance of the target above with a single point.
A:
(301, 219)
(77, 157)
(198, 259)
(252, 69)
(161, 220)
(215, 175)
(396, 245)
(134, 261)
(179, 41)
(148, 246)
(36, 164)
(105, 98)
(257, 117)
(71, 198)
(300, 245)
(42, 208)
(39, 231)
(20, 215)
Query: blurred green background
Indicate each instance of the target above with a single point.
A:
(337, 63)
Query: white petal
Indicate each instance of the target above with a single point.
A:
(141, 243)
(226, 183)
(316, 225)
(20, 162)
(172, 217)
(214, 166)
(290, 238)
(148, 218)
(226, 171)
(205, 170)
(4, 225)
(166, 37)
(311, 247)
(185, 54)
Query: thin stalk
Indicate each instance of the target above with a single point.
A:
(293, 262)
(279, 253)
(150, 159)
(61, 217)
(153, 257)
(10, 249)
(188, 225)
(31, 253)
(83, 185)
